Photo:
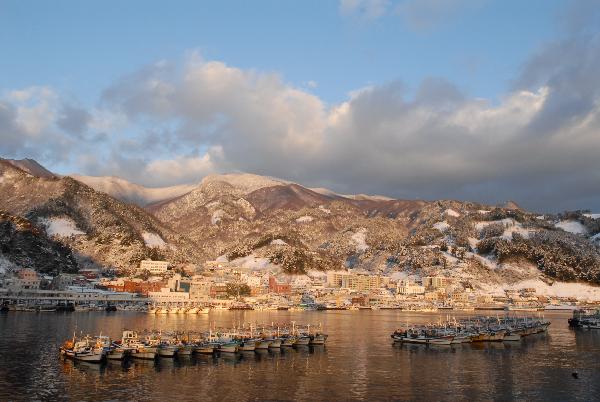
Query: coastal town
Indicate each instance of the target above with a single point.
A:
(161, 287)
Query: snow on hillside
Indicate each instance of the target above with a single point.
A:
(6, 265)
(245, 181)
(359, 240)
(322, 208)
(153, 240)
(304, 219)
(126, 191)
(571, 226)
(593, 216)
(451, 212)
(254, 263)
(557, 289)
(217, 216)
(511, 226)
(441, 226)
(61, 227)
(278, 242)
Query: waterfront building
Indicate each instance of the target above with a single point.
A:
(406, 287)
(166, 295)
(154, 267)
(361, 282)
(279, 286)
(26, 279)
(334, 278)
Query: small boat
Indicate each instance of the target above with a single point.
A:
(288, 340)
(228, 347)
(263, 343)
(137, 349)
(276, 343)
(318, 339)
(112, 350)
(247, 345)
(302, 340)
(83, 350)
(204, 348)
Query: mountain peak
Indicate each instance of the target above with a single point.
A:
(32, 167)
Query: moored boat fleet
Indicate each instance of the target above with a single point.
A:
(589, 319)
(472, 329)
(150, 345)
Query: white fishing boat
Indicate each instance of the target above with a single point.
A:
(276, 343)
(318, 339)
(113, 351)
(137, 349)
(84, 350)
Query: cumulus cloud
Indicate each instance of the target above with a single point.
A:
(169, 124)
(438, 143)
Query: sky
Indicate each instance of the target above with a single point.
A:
(418, 99)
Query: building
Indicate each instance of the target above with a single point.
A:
(334, 278)
(27, 279)
(166, 295)
(279, 287)
(155, 267)
(406, 287)
(436, 282)
(361, 282)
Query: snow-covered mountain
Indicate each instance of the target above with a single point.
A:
(132, 193)
(256, 220)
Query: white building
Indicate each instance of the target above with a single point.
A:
(166, 295)
(406, 287)
(155, 267)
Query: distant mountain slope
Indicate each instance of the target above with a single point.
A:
(24, 245)
(98, 228)
(132, 193)
(33, 168)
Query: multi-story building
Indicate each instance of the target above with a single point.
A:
(27, 279)
(154, 267)
(406, 287)
(334, 278)
(361, 282)
(166, 295)
(436, 282)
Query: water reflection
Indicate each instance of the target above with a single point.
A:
(358, 363)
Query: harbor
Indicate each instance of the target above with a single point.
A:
(149, 345)
(359, 357)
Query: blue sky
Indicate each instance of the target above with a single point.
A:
(81, 47)
(483, 100)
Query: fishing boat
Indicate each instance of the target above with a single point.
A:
(247, 345)
(263, 343)
(84, 350)
(204, 348)
(288, 340)
(136, 348)
(112, 350)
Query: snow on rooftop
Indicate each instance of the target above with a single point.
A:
(61, 227)
(571, 226)
(153, 240)
(558, 289)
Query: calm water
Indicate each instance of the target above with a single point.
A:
(358, 363)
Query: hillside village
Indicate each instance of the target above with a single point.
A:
(259, 242)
